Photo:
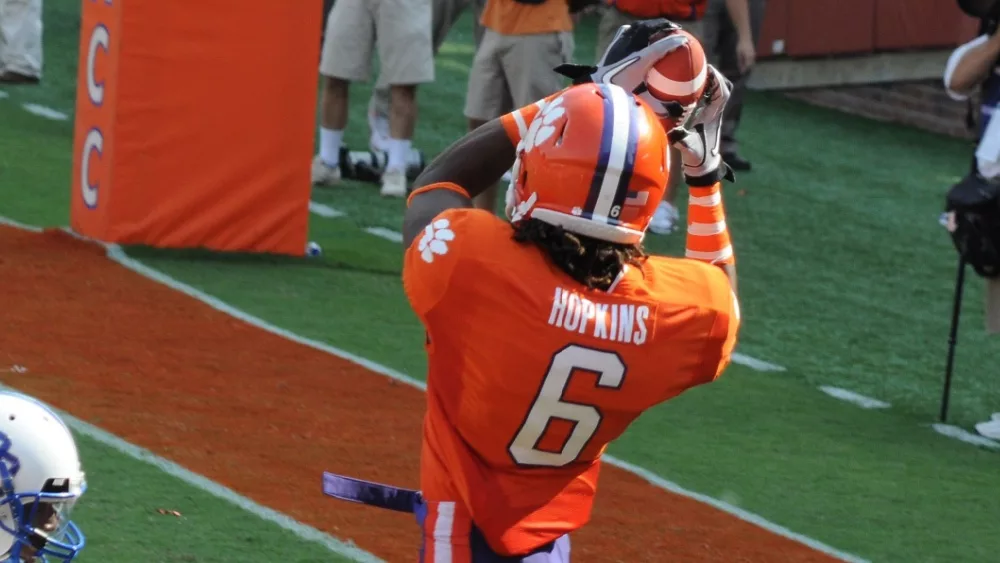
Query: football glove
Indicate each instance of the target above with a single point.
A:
(699, 142)
(634, 50)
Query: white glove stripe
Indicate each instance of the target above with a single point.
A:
(712, 257)
(706, 201)
(706, 229)
(621, 123)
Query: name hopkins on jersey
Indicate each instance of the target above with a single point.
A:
(616, 322)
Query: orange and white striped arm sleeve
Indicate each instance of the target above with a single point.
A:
(516, 123)
(707, 233)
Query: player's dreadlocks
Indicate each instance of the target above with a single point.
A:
(592, 262)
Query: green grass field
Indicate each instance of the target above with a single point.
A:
(845, 277)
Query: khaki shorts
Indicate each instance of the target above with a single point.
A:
(511, 71)
(401, 29)
(612, 19)
(445, 14)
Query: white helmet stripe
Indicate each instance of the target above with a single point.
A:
(617, 151)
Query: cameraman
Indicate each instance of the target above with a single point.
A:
(976, 66)
(972, 67)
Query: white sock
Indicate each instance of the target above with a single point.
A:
(329, 146)
(398, 152)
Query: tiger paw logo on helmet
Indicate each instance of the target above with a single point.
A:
(435, 240)
(543, 126)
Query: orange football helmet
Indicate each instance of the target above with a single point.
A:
(594, 161)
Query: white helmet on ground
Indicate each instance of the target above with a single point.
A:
(40, 481)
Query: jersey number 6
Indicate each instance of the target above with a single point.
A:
(549, 405)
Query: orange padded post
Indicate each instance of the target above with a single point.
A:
(195, 123)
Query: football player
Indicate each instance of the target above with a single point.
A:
(40, 481)
(548, 333)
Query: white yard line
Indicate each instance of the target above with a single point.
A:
(324, 210)
(964, 435)
(4, 95)
(854, 398)
(387, 234)
(19, 225)
(46, 112)
(754, 363)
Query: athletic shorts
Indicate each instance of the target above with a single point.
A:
(400, 29)
(451, 537)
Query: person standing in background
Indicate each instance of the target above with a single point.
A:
(973, 73)
(730, 34)
(522, 42)
(445, 13)
(20, 41)
(401, 30)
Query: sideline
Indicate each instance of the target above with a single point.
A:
(116, 254)
(858, 399)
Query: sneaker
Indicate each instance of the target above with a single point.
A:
(323, 174)
(665, 219)
(393, 184)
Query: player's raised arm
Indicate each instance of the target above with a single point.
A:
(708, 234)
(464, 170)
(467, 168)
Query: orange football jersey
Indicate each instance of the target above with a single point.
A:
(531, 375)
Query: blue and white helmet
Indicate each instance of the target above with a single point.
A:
(40, 481)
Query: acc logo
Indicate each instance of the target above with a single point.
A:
(435, 240)
(100, 39)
